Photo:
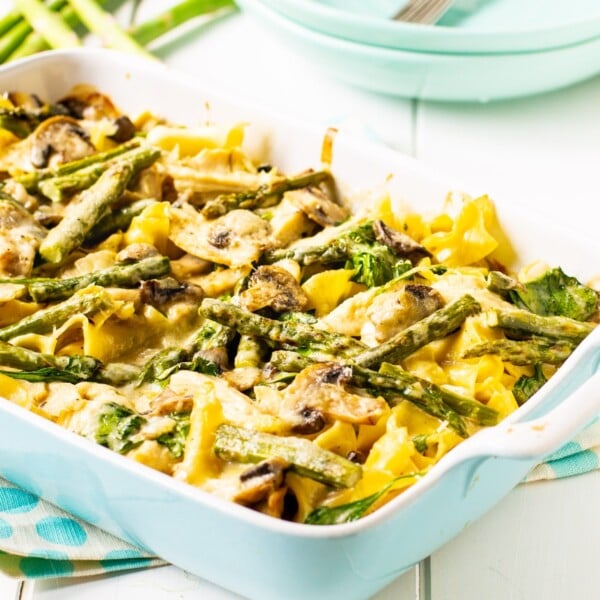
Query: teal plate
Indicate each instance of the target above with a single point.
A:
(490, 26)
(430, 76)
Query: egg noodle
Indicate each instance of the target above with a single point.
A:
(239, 329)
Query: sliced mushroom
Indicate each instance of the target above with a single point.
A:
(260, 480)
(321, 389)
(235, 239)
(317, 206)
(392, 312)
(274, 287)
(85, 102)
(124, 129)
(402, 244)
(136, 252)
(60, 137)
(162, 292)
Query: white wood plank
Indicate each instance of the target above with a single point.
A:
(9, 588)
(540, 542)
(164, 583)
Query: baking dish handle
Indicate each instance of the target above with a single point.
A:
(540, 437)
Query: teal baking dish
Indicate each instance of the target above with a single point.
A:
(248, 552)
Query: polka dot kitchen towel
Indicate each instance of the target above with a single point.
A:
(39, 540)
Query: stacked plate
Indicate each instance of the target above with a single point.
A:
(497, 49)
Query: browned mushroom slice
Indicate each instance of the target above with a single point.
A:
(60, 138)
(321, 388)
(162, 292)
(274, 287)
(85, 102)
(260, 480)
(402, 244)
(392, 312)
(317, 206)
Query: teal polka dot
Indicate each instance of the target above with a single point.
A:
(61, 530)
(124, 553)
(14, 500)
(5, 529)
(117, 560)
(35, 567)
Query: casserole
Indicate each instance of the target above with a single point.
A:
(232, 546)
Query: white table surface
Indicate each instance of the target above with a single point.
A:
(542, 540)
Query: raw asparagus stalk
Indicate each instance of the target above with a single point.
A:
(31, 180)
(90, 301)
(9, 20)
(280, 332)
(556, 328)
(526, 352)
(12, 39)
(104, 26)
(173, 17)
(57, 188)
(124, 276)
(307, 459)
(118, 220)
(436, 326)
(71, 231)
(48, 24)
(264, 196)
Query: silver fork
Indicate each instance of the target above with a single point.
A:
(425, 12)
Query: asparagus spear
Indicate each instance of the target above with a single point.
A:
(173, 17)
(128, 275)
(210, 337)
(466, 407)
(307, 459)
(9, 20)
(56, 188)
(77, 223)
(48, 24)
(250, 352)
(336, 251)
(526, 352)
(13, 39)
(555, 328)
(104, 26)
(21, 121)
(118, 220)
(31, 180)
(437, 325)
(264, 196)
(90, 301)
(281, 332)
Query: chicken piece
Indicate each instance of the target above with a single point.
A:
(392, 312)
(20, 237)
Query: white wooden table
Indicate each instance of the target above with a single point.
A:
(541, 541)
